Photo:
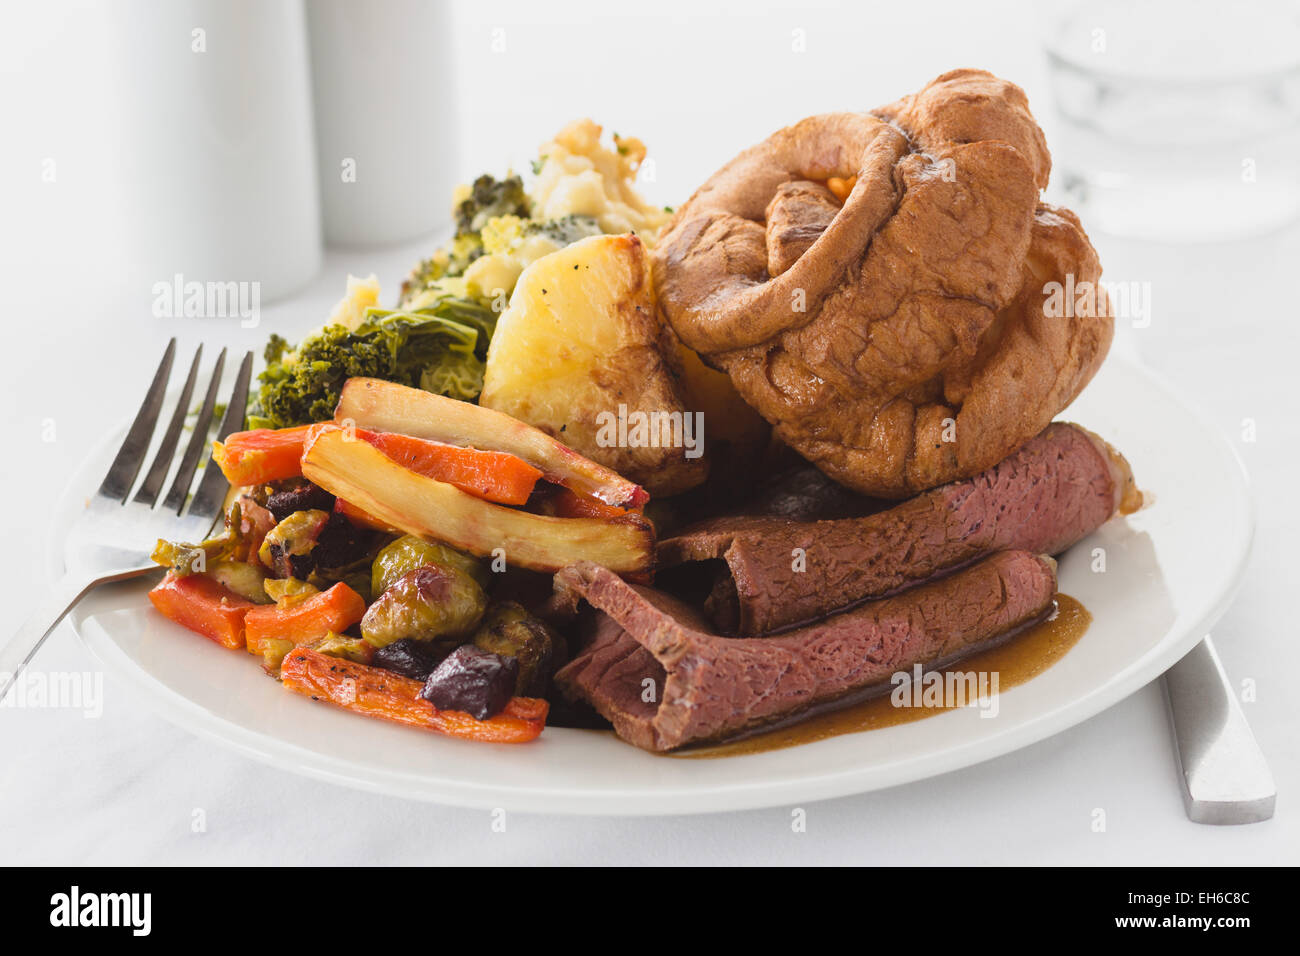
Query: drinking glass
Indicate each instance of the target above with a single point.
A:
(1180, 121)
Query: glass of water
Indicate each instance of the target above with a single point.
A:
(1180, 121)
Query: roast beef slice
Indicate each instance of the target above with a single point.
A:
(780, 572)
(655, 670)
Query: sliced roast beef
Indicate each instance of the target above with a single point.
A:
(775, 572)
(655, 670)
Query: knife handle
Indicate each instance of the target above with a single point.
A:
(1225, 778)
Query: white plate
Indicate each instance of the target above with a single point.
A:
(1171, 571)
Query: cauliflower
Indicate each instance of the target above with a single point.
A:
(578, 176)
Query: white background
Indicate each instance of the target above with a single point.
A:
(697, 81)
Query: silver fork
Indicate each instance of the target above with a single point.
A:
(113, 537)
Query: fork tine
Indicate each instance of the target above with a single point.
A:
(213, 486)
(121, 474)
(180, 489)
(162, 461)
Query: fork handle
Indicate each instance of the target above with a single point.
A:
(17, 653)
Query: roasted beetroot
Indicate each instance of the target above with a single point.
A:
(341, 543)
(298, 495)
(474, 681)
(409, 657)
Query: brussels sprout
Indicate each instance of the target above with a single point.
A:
(243, 578)
(287, 591)
(510, 631)
(428, 603)
(287, 548)
(236, 542)
(274, 651)
(344, 646)
(409, 552)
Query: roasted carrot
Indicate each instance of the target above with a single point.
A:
(376, 692)
(265, 454)
(492, 475)
(307, 620)
(204, 606)
(564, 503)
(261, 455)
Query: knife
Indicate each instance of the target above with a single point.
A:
(1226, 779)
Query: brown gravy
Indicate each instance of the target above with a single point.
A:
(1023, 657)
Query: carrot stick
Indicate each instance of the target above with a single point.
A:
(310, 619)
(204, 606)
(261, 455)
(376, 692)
(492, 475)
(564, 503)
(267, 454)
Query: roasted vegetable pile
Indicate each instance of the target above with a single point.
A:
(363, 559)
(382, 521)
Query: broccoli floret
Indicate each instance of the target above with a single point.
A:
(440, 349)
(307, 389)
(276, 348)
(565, 229)
(488, 198)
(491, 197)
(447, 262)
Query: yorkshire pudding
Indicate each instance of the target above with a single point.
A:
(901, 339)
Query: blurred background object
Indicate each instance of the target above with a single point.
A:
(383, 79)
(218, 165)
(1180, 118)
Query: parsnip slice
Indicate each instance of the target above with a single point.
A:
(385, 406)
(364, 477)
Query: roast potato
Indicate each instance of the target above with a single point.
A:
(581, 352)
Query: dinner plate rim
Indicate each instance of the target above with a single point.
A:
(675, 800)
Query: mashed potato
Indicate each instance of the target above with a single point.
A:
(508, 250)
(582, 189)
(579, 181)
(361, 294)
(581, 177)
